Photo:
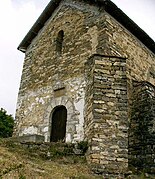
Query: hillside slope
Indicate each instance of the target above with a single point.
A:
(20, 162)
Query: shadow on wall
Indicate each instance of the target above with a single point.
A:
(142, 127)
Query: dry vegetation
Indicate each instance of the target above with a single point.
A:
(20, 162)
(16, 162)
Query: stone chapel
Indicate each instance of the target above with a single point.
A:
(89, 74)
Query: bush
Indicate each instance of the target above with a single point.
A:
(83, 146)
(6, 124)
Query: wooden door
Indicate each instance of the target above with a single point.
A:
(58, 129)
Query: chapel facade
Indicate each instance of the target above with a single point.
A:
(89, 74)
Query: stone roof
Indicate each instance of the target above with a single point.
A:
(108, 6)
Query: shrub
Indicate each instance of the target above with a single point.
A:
(6, 124)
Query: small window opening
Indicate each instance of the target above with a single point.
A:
(59, 41)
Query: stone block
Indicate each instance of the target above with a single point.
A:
(31, 138)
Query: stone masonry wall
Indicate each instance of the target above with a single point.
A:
(107, 121)
(89, 95)
(120, 42)
(142, 128)
(88, 30)
(140, 66)
(92, 77)
(50, 79)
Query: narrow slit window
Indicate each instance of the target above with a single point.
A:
(59, 41)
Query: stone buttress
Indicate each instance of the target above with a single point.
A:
(106, 114)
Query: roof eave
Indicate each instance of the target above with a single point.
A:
(38, 25)
(109, 7)
(130, 25)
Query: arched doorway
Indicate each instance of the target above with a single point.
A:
(58, 128)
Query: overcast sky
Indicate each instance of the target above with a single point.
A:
(17, 17)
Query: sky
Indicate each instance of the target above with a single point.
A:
(18, 16)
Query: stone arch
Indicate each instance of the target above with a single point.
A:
(70, 127)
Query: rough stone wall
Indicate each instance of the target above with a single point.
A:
(140, 66)
(121, 43)
(142, 128)
(50, 79)
(106, 119)
(92, 77)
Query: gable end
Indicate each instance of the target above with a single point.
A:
(107, 5)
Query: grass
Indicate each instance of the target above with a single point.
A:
(30, 161)
(18, 162)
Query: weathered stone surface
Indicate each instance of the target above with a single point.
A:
(93, 78)
(141, 131)
(112, 134)
(50, 80)
(30, 138)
